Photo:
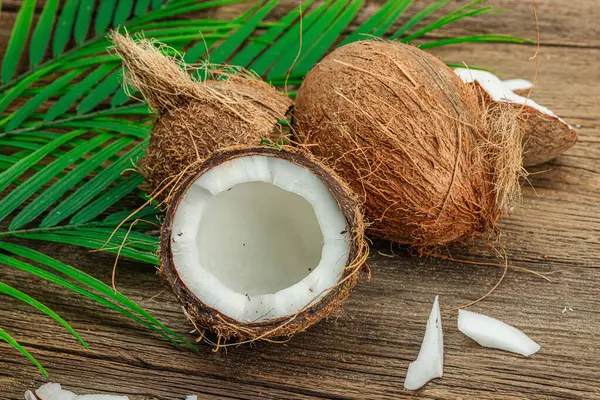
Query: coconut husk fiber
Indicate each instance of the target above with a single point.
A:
(205, 317)
(545, 137)
(432, 162)
(229, 107)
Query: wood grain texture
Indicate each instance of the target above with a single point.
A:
(364, 352)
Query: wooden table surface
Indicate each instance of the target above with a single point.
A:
(365, 351)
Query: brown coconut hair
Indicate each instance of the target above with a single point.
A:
(205, 317)
(229, 106)
(432, 162)
(544, 136)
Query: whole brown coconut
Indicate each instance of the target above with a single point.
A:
(409, 136)
(195, 118)
(261, 243)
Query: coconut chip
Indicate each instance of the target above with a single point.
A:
(502, 90)
(490, 332)
(53, 391)
(430, 361)
(518, 85)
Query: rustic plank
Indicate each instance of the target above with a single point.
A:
(572, 23)
(364, 352)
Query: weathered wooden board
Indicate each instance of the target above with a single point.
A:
(364, 353)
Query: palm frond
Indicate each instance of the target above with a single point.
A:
(11, 341)
(17, 294)
(476, 39)
(73, 133)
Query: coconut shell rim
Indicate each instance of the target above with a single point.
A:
(341, 193)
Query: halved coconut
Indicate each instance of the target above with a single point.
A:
(261, 243)
(545, 134)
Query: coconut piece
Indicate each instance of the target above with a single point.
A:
(191, 397)
(53, 391)
(490, 332)
(545, 134)
(411, 138)
(229, 107)
(261, 242)
(50, 391)
(518, 86)
(430, 361)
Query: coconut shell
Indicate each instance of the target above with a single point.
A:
(236, 111)
(229, 107)
(544, 136)
(408, 136)
(205, 317)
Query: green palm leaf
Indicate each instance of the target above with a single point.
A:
(108, 198)
(42, 32)
(68, 182)
(64, 26)
(11, 201)
(418, 17)
(17, 39)
(105, 12)
(84, 17)
(91, 188)
(21, 115)
(92, 283)
(476, 39)
(68, 99)
(41, 273)
(17, 294)
(11, 341)
(379, 20)
(122, 12)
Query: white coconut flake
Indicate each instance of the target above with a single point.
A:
(518, 84)
(53, 391)
(430, 361)
(191, 397)
(502, 90)
(490, 332)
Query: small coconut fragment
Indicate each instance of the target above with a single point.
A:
(545, 134)
(518, 86)
(490, 332)
(195, 118)
(430, 361)
(191, 397)
(411, 139)
(261, 243)
(53, 391)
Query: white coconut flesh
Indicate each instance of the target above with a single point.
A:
(53, 391)
(258, 238)
(430, 361)
(500, 90)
